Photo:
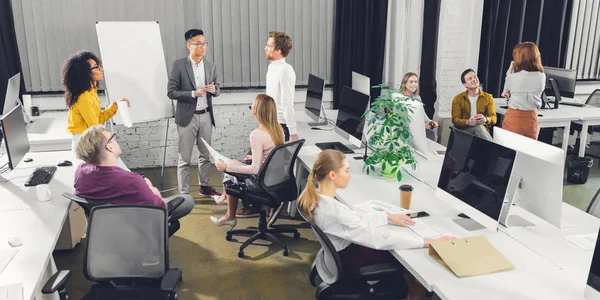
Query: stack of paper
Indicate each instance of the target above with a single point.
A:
(216, 156)
(124, 113)
(378, 205)
(587, 242)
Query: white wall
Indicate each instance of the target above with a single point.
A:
(458, 47)
(142, 142)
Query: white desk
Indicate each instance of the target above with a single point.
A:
(49, 132)
(38, 224)
(587, 116)
(546, 264)
(549, 118)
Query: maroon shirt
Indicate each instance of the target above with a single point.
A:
(113, 185)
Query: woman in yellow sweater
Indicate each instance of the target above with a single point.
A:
(81, 74)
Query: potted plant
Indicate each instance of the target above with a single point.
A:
(389, 133)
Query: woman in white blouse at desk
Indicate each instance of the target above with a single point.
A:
(523, 87)
(360, 239)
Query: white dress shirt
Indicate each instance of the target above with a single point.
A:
(345, 226)
(199, 77)
(525, 89)
(281, 85)
(473, 101)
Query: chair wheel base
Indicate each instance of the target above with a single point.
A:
(240, 254)
(296, 235)
(286, 252)
(228, 237)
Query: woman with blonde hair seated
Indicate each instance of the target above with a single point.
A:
(361, 239)
(263, 140)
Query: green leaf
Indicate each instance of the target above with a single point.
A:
(399, 176)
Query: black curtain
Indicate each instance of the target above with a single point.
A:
(428, 82)
(10, 63)
(359, 46)
(509, 22)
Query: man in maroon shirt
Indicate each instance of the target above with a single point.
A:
(101, 179)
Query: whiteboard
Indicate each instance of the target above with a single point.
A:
(134, 67)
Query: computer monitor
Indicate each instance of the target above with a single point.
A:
(361, 83)
(540, 167)
(350, 120)
(314, 100)
(14, 129)
(565, 80)
(12, 93)
(592, 289)
(475, 176)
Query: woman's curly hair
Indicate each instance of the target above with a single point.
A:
(77, 75)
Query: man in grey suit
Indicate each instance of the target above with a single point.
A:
(192, 83)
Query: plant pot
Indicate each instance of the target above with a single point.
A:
(389, 170)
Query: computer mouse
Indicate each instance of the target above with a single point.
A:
(28, 160)
(65, 163)
(15, 241)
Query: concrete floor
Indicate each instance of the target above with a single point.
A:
(211, 268)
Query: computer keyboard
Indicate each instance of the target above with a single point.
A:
(572, 103)
(423, 230)
(41, 175)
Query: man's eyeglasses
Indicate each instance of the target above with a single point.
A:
(200, 44)
(97, 66)
(111, 138)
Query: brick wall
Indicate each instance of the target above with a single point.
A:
(143, 143)
(458, 47)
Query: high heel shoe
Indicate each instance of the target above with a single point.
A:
(222, 199)
(230, 223)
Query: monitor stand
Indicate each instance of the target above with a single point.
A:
(509, 201)
(468, 224)
(322, 121)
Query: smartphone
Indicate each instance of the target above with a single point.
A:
(418, 214)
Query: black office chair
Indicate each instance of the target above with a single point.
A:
(126, 255)
(593, 99)
(87, 206)
(274, 185)
(594, 208)
(332, 282)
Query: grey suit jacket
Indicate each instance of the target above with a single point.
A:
(182, 83)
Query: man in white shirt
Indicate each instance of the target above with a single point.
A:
(473, 110)
(281, 82)
(192, 82)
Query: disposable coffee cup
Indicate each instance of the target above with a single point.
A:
(405, 195)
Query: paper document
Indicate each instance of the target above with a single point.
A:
(587, 242)
(11, 292)
(6, 255)
(124, 113)
(378, 205)
(216, 156)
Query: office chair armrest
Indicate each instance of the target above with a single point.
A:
(173, 204)
(239, 175)
(56, 282)
(378, 271)
(170, 280)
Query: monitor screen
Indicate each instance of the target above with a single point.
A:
(565, 79)
(477, 172)
(314, 96)
(15, 136)
(361, 83)
(12, 94)
(593, 279)
(350, 118)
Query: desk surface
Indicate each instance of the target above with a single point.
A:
(547, 265)
(38, 224)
